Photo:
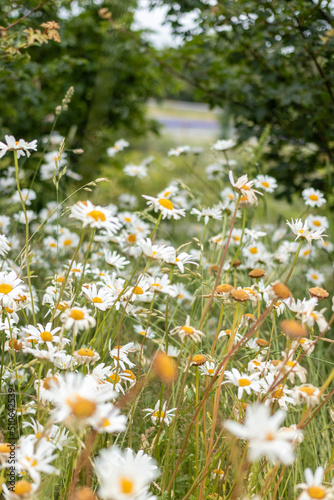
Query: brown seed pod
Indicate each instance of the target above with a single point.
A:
(318, 292)
(198, 360)
(257, 273)
(292, 328)
(224, 288)
(281, 291)
(239, 295)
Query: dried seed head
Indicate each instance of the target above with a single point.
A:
(224, 288)
(257, 273)
(213, 269)
(262, 342)
(239, 295)
(281, 291)
(292, 328)
(198, 360)
(318, 292)
(236, 263)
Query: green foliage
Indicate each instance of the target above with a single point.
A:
(266, 63)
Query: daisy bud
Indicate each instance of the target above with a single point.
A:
(292, 328)
(165, 367)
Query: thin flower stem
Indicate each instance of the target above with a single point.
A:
(294, 262)
(27, 234)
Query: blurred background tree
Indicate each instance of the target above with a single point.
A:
(266, 63)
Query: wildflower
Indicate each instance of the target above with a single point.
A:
(115, 260)
(157, 415)
(139, 171)
(318, 292)
(180, 150)
(119, 145)
(276, 392)
(313, 197)
(290, 367)
(244, 187)
(223, 145)
(77, 318)
(308, 394)
(43, 334)
(21, 147)
(4, 245)
(317, 221)
(244, 382)
(35, 459)
(313, 487)
(28, 195)
(86, 356)
(302, 231)
(120, 355)
(165, 206)
(145, 331)
(306, 344)
(209, 369)
(187, 331)
(198, 360)
(257, 273)
(95, 216)
(11, 287)
(208, 213)
(161, 285)
(239, 295)
(315, 276)
(262, 431)
(22, 490)
(124, 475)
(265, 182)
(102, 299)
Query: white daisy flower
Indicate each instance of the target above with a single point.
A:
(263, 433)
(180, 150)
(165, 206)
(187, 332)
(302, 231)
(244, 187)
(44, 335)
(208, 213)
(20, 217)
(125, 475)
(223, 145)
(4, 245)
(115, 260)
(22, 490)
(86, 356)
(244, 382)
(77, 318)
(120, 355)
(157, 415)
(11, 288)
(317, 222)
(95, 216)
(35, 459)
(102, 299)
(269, 184)
(313, 487)
(21, 147)
(139, 171)
(315, 277)
(313, 197)
(307, 394)
(119, 145)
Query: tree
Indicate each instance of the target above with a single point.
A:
(266, 62)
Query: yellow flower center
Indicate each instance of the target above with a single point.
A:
(21, 488)
(113, 378)
(270, 436)
(211, 371)
(309, 391)
(97, 215)
(129, 374)
(166, 203)
(243, 382)
(53, 245)
(265, 184)
(126, 485)
(279, 392)
(138, 290)
(143, 333)
(81, 407)
(84, 351)
(291, 363)
(315, 276)
(47, 382)
(132, 238)
(188, 330)
(307, 252)
(5, 288)
(67, 242)
(76, 270)
(127, 219)
(314, 197)
(253, 250)
(245, 188)
(61, 279)
(159, 413)
(316, 492)
(76, 314)
(317, 223)
(46, 336)
(97, 300)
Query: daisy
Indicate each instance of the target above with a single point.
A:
(22, 490)
(102, 299)
(317, 222)
(146, 332)
(302, 231)
(165, 206)
(115, 260)
(161, 285)
(315, 277)
(263, 433)
(306, 344)
(21, 147)
(139, 171)
(86, 356)
(28, 196)
(269, 184)
(281, 393)
(308, 394)
(127, 201)
(95, 216)
(119, 145)
(4, 245)
(313, 487)
(187, 332)
(43, 334)
(21, 218)
(160, 413)
(68, 240)
(77, 318)
(109, 420)
(11, 288)
(208, 213)
(244, 382)
(120, 355)
(125, 475)
(244, 187)
(180, 150)
(313, 197)
(223, 145)
(35, 457)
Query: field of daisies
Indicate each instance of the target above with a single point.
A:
(156, 347)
